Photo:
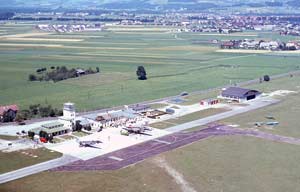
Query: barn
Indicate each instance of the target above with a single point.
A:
(239, 94)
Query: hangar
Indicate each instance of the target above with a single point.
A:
(239, 94)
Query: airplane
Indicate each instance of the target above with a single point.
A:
(90, 143)
(259, 124)
(272, 123)
(270, 117)
(135, 130)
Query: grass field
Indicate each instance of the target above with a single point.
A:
(16, 160)
(173, 63)
(187, 118)
(7, 137)
(238, 164)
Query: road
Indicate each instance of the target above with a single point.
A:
(20, 173)
(253, 105)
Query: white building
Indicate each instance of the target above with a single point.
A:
(69, 115)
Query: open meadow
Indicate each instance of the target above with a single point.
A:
(173, 61)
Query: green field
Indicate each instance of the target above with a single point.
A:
(17, 160)
(187, 118)
(173, 65)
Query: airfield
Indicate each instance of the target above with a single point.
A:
(118, 151)
(209, 150)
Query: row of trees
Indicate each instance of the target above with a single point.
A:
(59, 73)
(37, 111)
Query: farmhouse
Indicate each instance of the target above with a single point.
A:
(8, 113)
(239, 94)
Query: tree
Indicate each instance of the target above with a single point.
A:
(9, 116)
(31, 134)
(34, 109)
(267, 78)
(141, 73)
(52, 113)
(77, 126)
(20, 117)
(90, 71)
(97, 69)
(32, 77)
(63, 69)
(45, 111)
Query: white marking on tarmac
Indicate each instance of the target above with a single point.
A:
(160, 141)
(115, 158)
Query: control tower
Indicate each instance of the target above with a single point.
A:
(69, 115)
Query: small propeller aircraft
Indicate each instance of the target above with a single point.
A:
(273, 123)
(88, 143)
(135, 130)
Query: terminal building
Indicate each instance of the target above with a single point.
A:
(239, 94)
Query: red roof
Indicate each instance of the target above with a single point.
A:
(3, 109)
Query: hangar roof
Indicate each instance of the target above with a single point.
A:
(238, 92)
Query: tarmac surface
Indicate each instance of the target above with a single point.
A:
(252, 105)
(134, 154)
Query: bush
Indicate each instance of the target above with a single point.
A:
(32, 77)
(45, 111)
(267, 78)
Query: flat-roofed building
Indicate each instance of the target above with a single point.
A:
(51, 129)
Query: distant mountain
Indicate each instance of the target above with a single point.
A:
(144, 4)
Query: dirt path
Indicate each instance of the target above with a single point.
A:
(178, 177)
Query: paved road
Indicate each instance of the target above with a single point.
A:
(20, 173)
(256, 104)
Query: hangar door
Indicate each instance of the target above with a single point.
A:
(251, 97)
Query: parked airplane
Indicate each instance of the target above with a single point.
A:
(88, 143)
(135, 130)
